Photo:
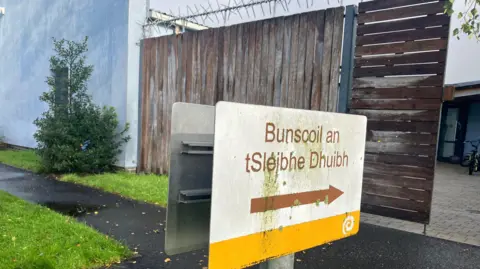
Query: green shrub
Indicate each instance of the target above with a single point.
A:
(74, 134)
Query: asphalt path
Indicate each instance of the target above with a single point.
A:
(141, 227)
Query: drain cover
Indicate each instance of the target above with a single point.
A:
(473, 211)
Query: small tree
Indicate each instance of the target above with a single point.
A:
(74, 134)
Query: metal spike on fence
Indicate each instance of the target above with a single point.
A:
(205, 12)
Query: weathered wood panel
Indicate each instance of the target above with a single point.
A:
(396, 82)
(395, 103)
(400, 148)
(414, 23)
(376, 5)
(402, 126)
(412, 35)
(402, 12)
(419, 69)
(420, 161)
(398, 93)
(412, 58)
(399, 181)
(271, 62)
(399, 71)
(398, 115)
(397, 213)
(411, 46)
(397, 136)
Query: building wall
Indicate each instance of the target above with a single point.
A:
(473, 125)
(137, 11)
(26, 32)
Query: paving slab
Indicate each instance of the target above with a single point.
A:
(141, 225)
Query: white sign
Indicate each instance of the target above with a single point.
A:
(284, 180)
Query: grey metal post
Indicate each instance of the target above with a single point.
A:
(348, 56)
(285, 262)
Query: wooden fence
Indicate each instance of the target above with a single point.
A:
(288, 61)
(398, 79)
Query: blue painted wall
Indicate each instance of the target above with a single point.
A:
(26, 30)
(473, 125)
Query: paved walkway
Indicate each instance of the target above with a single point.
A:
(455, 208)
(141, 225)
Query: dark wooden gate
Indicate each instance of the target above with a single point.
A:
(398, 85)
(289, 61)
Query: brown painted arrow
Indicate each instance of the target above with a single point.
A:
(283, 201)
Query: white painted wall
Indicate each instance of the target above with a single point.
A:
(26, 30)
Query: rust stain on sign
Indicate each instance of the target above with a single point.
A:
(265, 204)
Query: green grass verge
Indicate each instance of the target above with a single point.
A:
(32, 236)
(26, 159)
(147, 188)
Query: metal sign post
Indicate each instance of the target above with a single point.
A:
(285, 262)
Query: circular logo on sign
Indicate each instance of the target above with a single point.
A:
(348, 224)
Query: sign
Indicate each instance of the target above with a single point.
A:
(284, 180)
(190, 178)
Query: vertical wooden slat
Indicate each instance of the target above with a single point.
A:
(293, 66)
(155, 110)
(231, 64)
(318, 20)
(162, 150)
(226, 61)
(264, 61)
(287, 44)
(270, 68)
(302, 46)
(220, 65)
(243, 73)
(202, 73)
(188, 79)
(279, 34)
(238, 90)
(251, 94)
(309, 60)
(211, 68)
(256, 63)
(327, 58)
(335, 59)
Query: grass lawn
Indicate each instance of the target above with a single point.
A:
(33, 236)
(148, 188)
(26, 159)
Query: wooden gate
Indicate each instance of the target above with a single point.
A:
(288, 61)
(398, 85)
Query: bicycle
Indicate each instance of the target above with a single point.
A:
(472, 160)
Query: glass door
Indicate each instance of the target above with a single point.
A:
(449, 134)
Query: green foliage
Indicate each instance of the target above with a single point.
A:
(469, 18)
(74, 134)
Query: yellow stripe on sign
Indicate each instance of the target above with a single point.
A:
(248, 250)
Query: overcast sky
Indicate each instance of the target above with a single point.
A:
(295, 6)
